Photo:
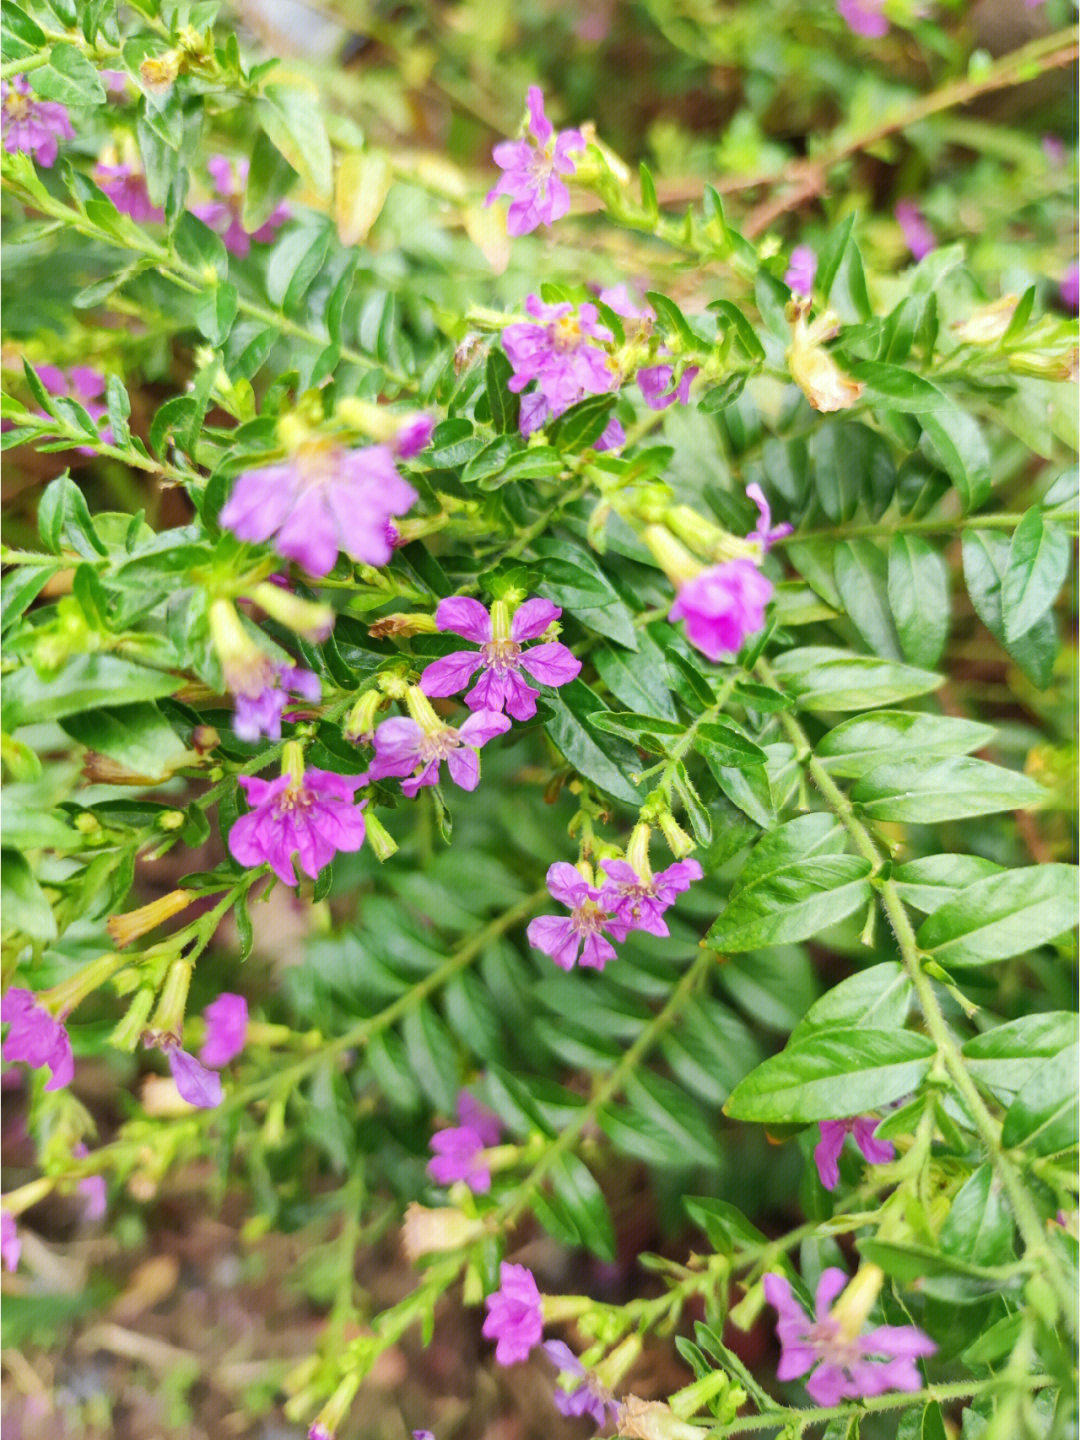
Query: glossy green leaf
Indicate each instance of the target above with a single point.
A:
(1005, 1057)
(857, 746)
(1038, 563)
(859, 567)
(879, 997)
(793, 904)
(918, 592)
(926, 883)
(608, 763)
(292, 119)
(924, 793)
(86, 682)
(1002, 915)
(822, 678)
(1043, 1117)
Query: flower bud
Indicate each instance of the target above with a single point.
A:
(814, 370)
(360, 722)
(676, 562)
(204, 738)
(167, 1022)
(129, 1031)
(988, 323)
(306, 618)
(855, 1304)
(679, 842)
(378, 837)
(335, 1409)
(431, 1232)
(393, 685)
(126, 928)
(158, 72)
(653, 1420)
(402, 625)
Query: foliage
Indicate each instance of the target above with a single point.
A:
(877, 785)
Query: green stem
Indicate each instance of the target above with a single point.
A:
(24, 66)
(999, 520)
(943, 1394)
(1027, 1219)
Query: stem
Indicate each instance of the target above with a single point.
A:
(24, 66)
(1024, 1212)
(610, 1087)
(999, 520)
(777, 1420)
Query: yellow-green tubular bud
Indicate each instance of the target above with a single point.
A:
(678, 841)
(308, 618)
(676, 562)
(360, 723)
(136, 923)
(393, 685)
(129, 1031)
(431, 1232)
(379, 838)
(168, 1019)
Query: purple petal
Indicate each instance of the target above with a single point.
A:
(897, 1342)
(519, 699)
(482, 726)
(795, 1360)
(450, 674)
(539, 124)
(464, 616)
(532, 619)
(832, 1281)
(567, 884)
(877, 1152)
(827, 1385)
(596, 952)
(827, 1152)
(555, 935)
(226, 1029)
(464, 767)
(197, 1085)
(551, 664)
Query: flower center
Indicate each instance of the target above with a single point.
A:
(501, 654)
(16, 106)
(438, 744)
(565, 333)
(834, 1347)
(295, 797)
(315, 465)
(588, 918)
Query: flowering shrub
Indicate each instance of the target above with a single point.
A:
(445, 811)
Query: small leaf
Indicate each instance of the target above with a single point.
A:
(1002, 915)
(926, 794)
(1043, 1117)
(1037, 567)
(793, 903)
(918, 588)
(293, 121)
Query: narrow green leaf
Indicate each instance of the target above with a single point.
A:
(293, 121)
(822, 678)
(793, 904)
(856, 746)
(1001, 916)
(1043, 1117)
(918, 589)
(860, 572)
(1037, 567)
(919, 793)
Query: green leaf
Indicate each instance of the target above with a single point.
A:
(741, 328)
(583, 1203)
(136, 736)
(1005, 1057)
(505, 405)
(790, 844)
(833, 1075)
(636, 679)
(597, 603)
(630, 726)
(660, 1123)
(853, 467)
(673, 319)
(26, 826)
(918, 588)
(1037, 567)
(987, 556)
(897, 388)
(64, 519)
(583, 424)
(293, 121)
(961, 447)
(608, 765)
(879, 997)
(926, 883)
(979, 1226)
(19, 35)
(23, 905)
(793, 903)
(723, 744)
(86, 682)
(859, 567)
(822, 678)
(200, 247)
(69, 77)
(1043, 1117)
(1001, 916)
(270, 178)
(295, 261)
(919, 793)
(725, 1225)
(855, 747)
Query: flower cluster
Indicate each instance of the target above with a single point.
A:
(538, 195)
(846, 1364)
(123, 180)
(557, 349)
(31, 125)
(458, 1149)
(501, 657)
(630, 898)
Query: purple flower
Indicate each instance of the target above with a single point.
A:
(32, 125)
(766, 531)
(801, 270)
(412, 436)
(846, 1369)
(116, 83)
(321, 500)
(617, 298)
(589, 1397)
(657, 387)
(562, 937)
(93, 1189)
(458, 1149)
(36, 1037)
(403, 746)
(423, 1435)
(197, 1085)
(918, 236)
(500, 657)
(10, 1244)
(722, 606)
(1070, 287)
(515, 1318)
(258, 711)
(457, 1157)
(833, 1135)
(226, 1029)
(125, 185)
(537, 194)
(864, 17)
(311, 815)
(223, 215)
(639, 902)
(555, 353)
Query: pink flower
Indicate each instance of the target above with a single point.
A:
(587, 1398)
(32, 125)
(766, 531)
(500, 657)
(259, 710)
(36, 1037)
(846, 1369)
(618, 298)
(833, 1135)
(918, 236)
(554, 351)
(223, 215)
(413, 435)
(458, 1149)
(515, 1318)
(93, 1189)
(723, 606)
(1053, 148)
(312, 816)
(562, 937)
(406, 747)
(656, 385)
(864, 17)
(639, 903)
(226, 1029)
(10, 1244)
(801, 270)
(116, 83)
(1070, 287)
(125, 186)
(197, 1085)
(537, 194)
(321, 500)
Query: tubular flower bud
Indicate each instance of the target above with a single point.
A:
(988, 323)
(126, 928)
(307, 618)
(432, 1232)
(814, 370)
